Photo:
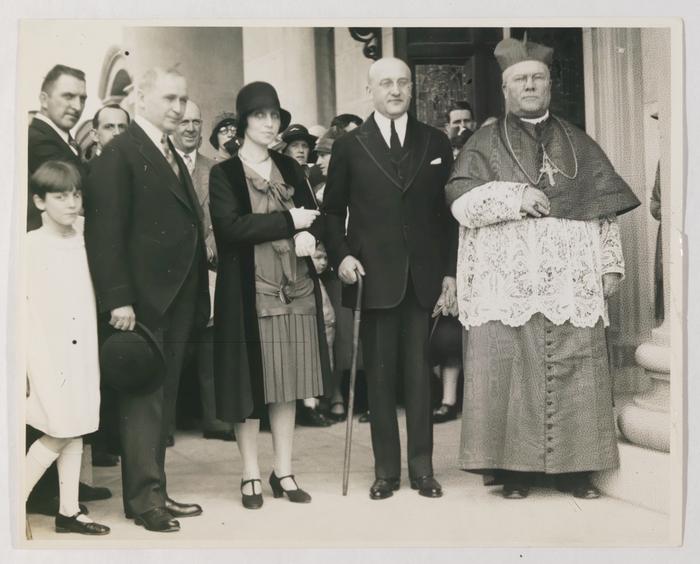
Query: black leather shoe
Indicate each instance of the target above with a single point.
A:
(158, 520)
(310, 417)
(91, 493)
(251, 501)
(65, 524)
(427, 486)
(48, 507)
(579, 484)
(384, 487)
(296, 496)
(222, 435)
(182, 509)
(445, 413)
(104, 459)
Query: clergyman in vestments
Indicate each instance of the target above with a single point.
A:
(539, 253)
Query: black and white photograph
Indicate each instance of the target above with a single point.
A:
(351, 284)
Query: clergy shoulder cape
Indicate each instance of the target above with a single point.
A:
(584, 187)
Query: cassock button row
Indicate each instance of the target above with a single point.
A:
(549, 438)
(549, 425)
(550, 449)
(550, 378)
(549, 402)
(549, 367)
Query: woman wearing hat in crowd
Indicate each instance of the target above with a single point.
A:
(223, 136)
(63, 373)
(298, 143)
(270, 348)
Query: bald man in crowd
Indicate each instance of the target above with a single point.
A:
(390, 174)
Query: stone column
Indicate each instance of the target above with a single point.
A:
(627, 68)
(646, 421)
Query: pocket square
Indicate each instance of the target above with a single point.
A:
(436, 161)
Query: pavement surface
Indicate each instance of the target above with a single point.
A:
(469, 513)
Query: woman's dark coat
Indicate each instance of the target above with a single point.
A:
(237, 354)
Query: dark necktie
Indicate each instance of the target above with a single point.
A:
(167, 151)
(74, 145)
(394, 143)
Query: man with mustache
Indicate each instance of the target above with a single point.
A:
(389, 174)
(145, 245)
(109, 121)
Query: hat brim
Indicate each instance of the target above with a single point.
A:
(285, 119)
(129, 383)
(310, 139)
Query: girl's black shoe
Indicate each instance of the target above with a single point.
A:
(72, 525)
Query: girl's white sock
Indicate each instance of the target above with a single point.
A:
(69, 476)
(39, 458)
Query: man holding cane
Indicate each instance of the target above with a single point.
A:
(390, 175)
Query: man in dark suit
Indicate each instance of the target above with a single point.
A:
(390, 175)
(187, 139)
(145, 246)
(62, 101)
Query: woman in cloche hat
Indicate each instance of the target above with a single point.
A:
(270, 347)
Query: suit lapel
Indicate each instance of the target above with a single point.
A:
(46, 129)
(187, 183)
(199, 180)
(418, 138)
(372, 141)
(152, 154)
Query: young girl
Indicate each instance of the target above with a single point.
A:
(63, 376)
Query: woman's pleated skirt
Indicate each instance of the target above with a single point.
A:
(291, 357)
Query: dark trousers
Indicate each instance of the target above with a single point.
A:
(395, 341)
(145, 420)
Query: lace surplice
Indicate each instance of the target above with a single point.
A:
(510, 267)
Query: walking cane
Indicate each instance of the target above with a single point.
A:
(357, 315)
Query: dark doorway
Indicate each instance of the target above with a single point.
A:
(451, 65)
(454, 64)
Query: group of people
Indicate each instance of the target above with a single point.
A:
(517, 239)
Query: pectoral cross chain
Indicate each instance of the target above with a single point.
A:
(548, 167)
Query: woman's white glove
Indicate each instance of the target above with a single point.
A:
(304, 244)
(303, 218)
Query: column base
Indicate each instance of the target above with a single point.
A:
(641, 479)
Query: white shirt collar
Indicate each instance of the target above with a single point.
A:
(153, 133)
(384, 124)
(192, 155)
(65, 136)
(536, 120)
